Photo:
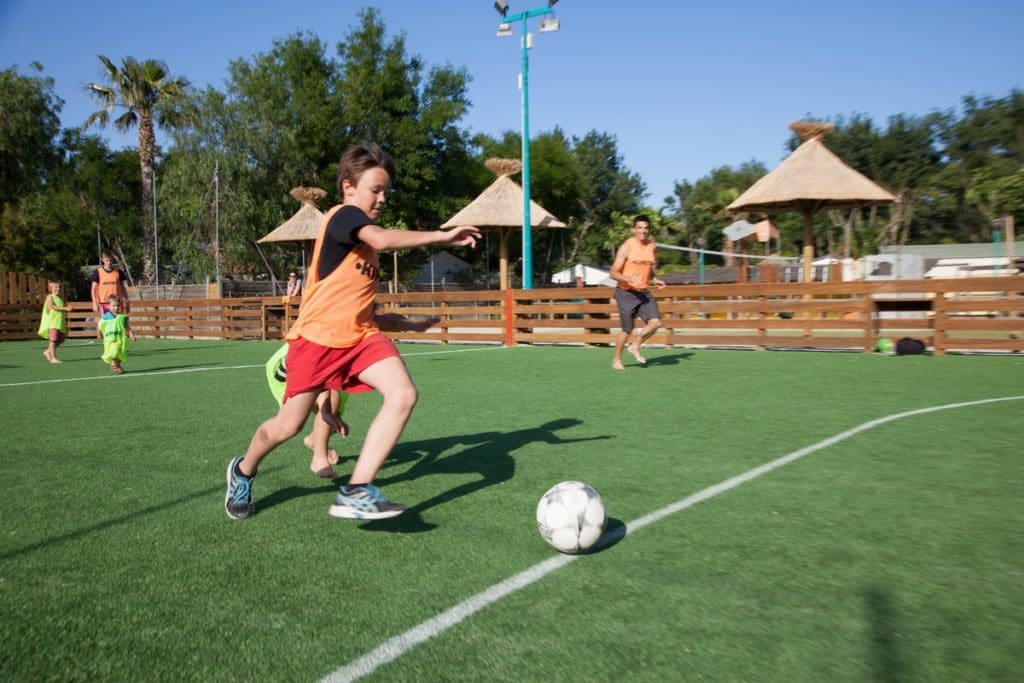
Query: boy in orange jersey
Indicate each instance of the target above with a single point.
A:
(336, 343)
(633, 269)
(107, 281)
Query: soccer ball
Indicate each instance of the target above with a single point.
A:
(885, 345)
(570, 516)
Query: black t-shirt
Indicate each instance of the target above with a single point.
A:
(341, 235)
(95, 277)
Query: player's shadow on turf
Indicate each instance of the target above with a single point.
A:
(488, 454)
(290, 492)
(887, 659)
(671, 359)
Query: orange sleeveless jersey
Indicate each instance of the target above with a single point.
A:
(337, 311)
(107, 283)
(639, 261)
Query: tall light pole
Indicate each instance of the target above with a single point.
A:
(505, 29)
(156, 236)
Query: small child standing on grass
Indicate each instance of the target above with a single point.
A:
(54, 323)
(116, 332)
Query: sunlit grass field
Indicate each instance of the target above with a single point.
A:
(894, 553)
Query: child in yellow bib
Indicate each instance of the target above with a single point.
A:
(116, 332)
(54, 324)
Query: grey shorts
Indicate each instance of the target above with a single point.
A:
(635, 305)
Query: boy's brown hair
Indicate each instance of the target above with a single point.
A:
(113, 299)
(358, 159)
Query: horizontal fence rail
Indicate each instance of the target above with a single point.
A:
(964, 314)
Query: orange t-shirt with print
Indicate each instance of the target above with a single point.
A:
(338, 303)
(640, 262)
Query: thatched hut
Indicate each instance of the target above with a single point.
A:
(500, 208)
(304, 225)
(809, 180)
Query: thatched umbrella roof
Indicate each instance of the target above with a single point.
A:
(501, 204)
(305, 224)
(809, 180)
(500, 207)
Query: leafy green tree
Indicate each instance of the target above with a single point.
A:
(389, 97)
(29, 125)
(984, 152)
(608, 186)
(902, 158)
(284, 120)
(702, 213)
(89, 203)
(149, 96)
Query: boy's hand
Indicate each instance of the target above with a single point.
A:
(131, 334)
(463, 236)
(328, 415)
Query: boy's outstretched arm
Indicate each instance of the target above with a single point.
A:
(382, 238)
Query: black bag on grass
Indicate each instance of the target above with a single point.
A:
(909, 347)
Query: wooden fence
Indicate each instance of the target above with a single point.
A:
(968, 314)
(18, 288)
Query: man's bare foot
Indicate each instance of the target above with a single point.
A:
(635, 350)
(617, 365)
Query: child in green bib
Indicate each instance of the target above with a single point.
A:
(54, 324)
(116, 332)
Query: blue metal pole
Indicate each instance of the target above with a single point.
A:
(527, 235)
(996, 239)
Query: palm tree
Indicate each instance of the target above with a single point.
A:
(147, 94)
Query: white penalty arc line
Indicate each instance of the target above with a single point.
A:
(130, 375)
(397, 646)
(180, 371)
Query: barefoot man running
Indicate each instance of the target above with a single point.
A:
(633, 269)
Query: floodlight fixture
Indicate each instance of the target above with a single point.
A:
(552, 3)
(504, 29)
(548, 25)
(501, 6)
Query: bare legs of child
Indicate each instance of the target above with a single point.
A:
(324, 458)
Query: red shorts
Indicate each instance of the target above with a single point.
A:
(312, 367)
(56, 336)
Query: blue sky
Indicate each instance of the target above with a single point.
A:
(684, 86)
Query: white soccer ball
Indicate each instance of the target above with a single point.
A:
(570, 516)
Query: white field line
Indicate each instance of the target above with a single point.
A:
(397, 646)
(214, 369)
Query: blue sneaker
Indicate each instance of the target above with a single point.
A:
(238, 500)
(364, 502)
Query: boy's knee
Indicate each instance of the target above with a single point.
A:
(653, 324)
(278, 431)
(405, 397)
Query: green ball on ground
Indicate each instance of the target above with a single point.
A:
(885, 345)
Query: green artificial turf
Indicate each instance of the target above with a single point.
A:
(894, 554)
